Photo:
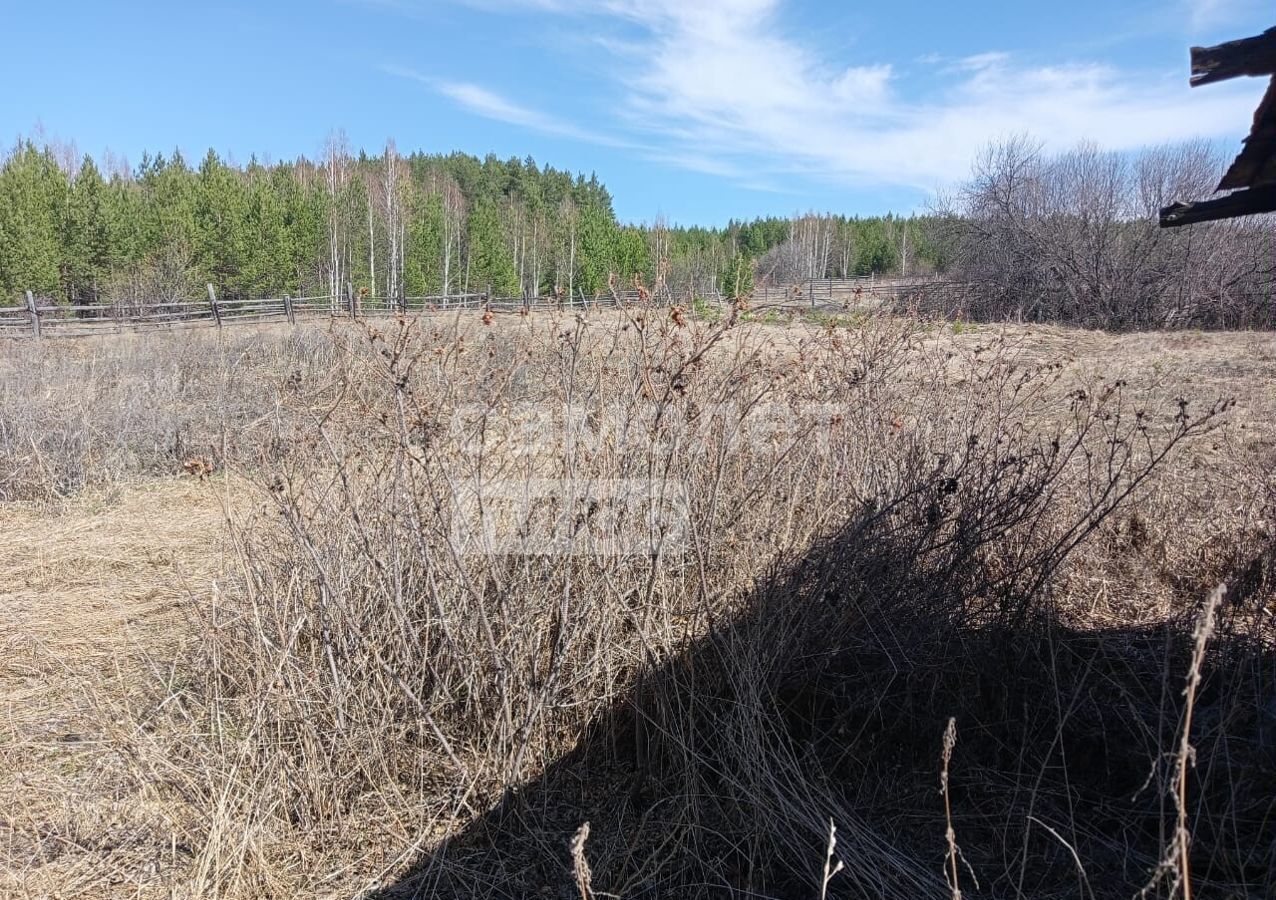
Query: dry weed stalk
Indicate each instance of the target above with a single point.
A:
(950, 836)
(1175, 867)
(580, 865)
(832, 865)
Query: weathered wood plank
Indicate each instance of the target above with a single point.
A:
(1247, 56)
(212, 303)
(1239, 203)
(34, 311)
(1253, 166)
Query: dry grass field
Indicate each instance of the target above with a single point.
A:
(248, 647)
(93, 590)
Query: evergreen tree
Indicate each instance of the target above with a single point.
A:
(90, 239)
(220, 228)
(266, 259)
(304, 216)
(491, 264)
(596, 260)
(735, 279)
(33, 195)
(168, 199)
(423, 256)
(633, 255)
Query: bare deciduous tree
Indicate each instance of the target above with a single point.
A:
(452, 202)
(808, 252)
(1073, 237)
(336, 166)
(392, 196)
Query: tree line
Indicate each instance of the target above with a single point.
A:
(389, 225)
(1068, 237)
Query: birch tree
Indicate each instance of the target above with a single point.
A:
(337, 179)
(453, 226)
(392, 197)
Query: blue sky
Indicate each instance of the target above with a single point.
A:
(700, 110)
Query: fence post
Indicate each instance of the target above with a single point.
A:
(212, 303)
(35, 314)
(351, 303)
(288, 310)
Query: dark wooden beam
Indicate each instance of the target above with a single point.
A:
(1248, 56)
(1256, 164)
(1239, 203)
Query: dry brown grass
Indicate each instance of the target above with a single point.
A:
(355, 703)
(91, 591)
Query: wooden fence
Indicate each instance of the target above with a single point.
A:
(42, 318)
(929, 297)
(814, 291)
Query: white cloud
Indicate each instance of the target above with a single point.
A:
(718, 87)
(483, 102)
(1203, 14)
(720, 74)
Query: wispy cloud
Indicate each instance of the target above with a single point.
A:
(720, 74)
(484, 102)
(1203, 14)
(716, 86)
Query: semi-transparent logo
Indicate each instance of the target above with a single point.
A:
(572, 517)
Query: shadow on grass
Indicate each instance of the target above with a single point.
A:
(718, 774)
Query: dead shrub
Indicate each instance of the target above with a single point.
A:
(871, 532)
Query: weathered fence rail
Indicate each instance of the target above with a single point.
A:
(931, 297)
(42, 318)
